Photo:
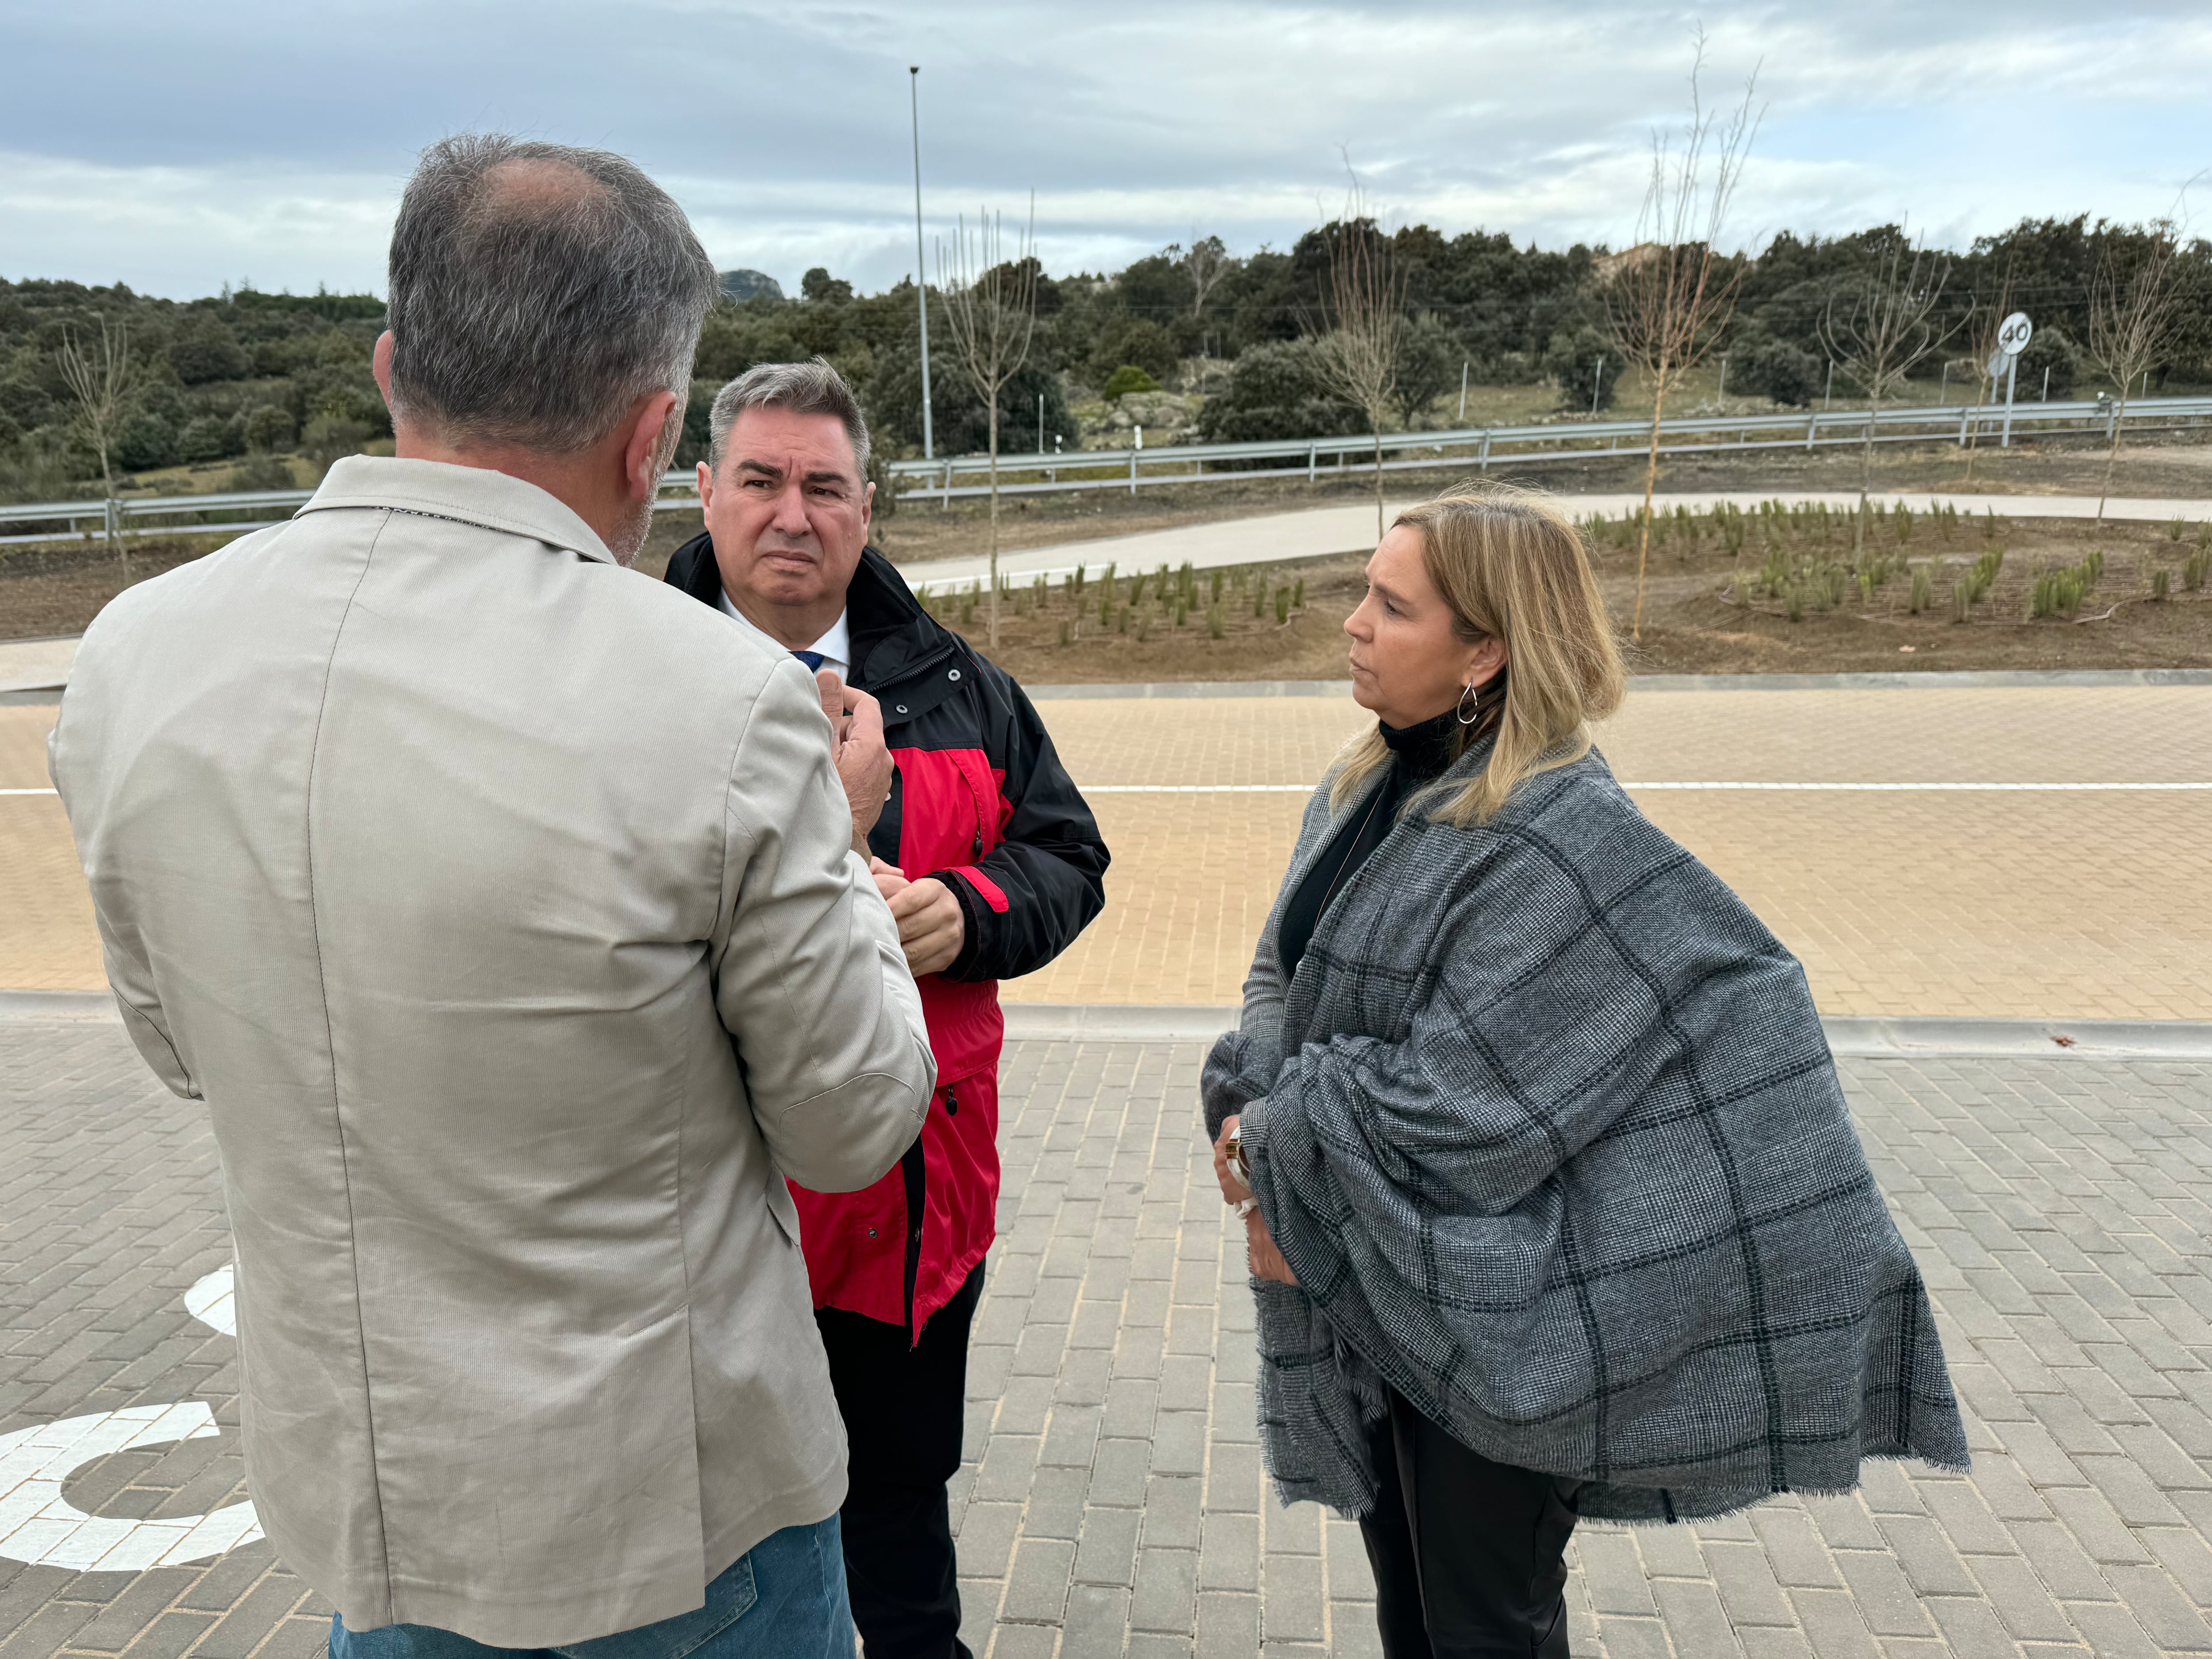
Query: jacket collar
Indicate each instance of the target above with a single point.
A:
(470, 494)
(892, 636)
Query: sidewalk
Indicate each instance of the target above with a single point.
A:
(1112, 1504)
(1316, 532)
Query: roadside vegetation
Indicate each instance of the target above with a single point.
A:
(246, 390)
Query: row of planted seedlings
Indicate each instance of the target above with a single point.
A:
(1138, 603)
(1816, 557)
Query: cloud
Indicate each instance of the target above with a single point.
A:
(251, 139)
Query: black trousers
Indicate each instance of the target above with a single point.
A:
(904, 1410)
(1469, 1555)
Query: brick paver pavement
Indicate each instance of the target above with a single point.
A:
(2065, 904)
(1114, 1502)
(2069, 904)
(110, 1211)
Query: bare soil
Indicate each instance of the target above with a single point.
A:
(1700, 615)
(1703, 613)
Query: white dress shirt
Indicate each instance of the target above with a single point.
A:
(834, 647)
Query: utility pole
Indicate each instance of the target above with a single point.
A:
(1597, 387)
(1721, 397)
(920, 270)
(2046, 383)
(1040, 422)
(1829, 396)
(2012, 373)
(1462, 390)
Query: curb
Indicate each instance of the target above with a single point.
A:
(2027, 1039)
(1195, 688)
(59, 1004)
(1858, 1037)
(1117, 1022)
(1853, 1035)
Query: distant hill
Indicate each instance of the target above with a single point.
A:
(750, 285)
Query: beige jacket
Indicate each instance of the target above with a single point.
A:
(500, 903)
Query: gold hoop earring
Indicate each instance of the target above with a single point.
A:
(1470, 707)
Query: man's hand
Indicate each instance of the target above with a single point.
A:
(1233, 1191)
(931, 926)
(863, 760)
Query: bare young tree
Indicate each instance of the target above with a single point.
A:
(102, 379)
(1364, 305)
(1878, 329)
(990, 311)
(2133, 320)
(1983, 325)
(1670, 297)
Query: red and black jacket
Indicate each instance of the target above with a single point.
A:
(980, 801)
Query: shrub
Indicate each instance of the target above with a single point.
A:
(330, 437)
(1776, 369)
(1125, 380)
(269, 426)
(1277, 391)
(147, 439)
(202, 349)
(1923, 593)
(261, 472)
(1572, 360)
(210, 438)
(2160, 584)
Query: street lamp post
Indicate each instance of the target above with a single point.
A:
(920, 270)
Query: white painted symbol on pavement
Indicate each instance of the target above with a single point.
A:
(213, 1301)
(39, 1527)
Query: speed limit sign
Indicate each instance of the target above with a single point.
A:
(2013, 334)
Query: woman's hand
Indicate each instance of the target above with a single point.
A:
(1233, 1191)
(1264, 1260)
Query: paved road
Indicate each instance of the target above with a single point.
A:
(1114, 1503)
(2064, 904)
(1315, 533)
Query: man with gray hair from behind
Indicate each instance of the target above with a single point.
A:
(511, 914)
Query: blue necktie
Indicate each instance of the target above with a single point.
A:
(811, 659)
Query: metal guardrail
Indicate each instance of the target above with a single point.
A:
(1132, 468)
(1546, 442)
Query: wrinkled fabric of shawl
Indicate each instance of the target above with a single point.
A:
(1546, 1126)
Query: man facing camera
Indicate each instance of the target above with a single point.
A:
(506, 911)
(991, 864)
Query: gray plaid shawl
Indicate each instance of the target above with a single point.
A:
(1548, 1128)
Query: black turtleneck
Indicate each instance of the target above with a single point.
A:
(1418, 754)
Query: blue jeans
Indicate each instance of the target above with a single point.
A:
(783, 1598)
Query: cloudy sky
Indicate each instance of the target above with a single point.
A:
(177, 147)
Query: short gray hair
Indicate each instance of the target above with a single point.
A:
(813, 388)
(536, 311)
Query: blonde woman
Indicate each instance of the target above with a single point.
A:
(1554, 1205)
